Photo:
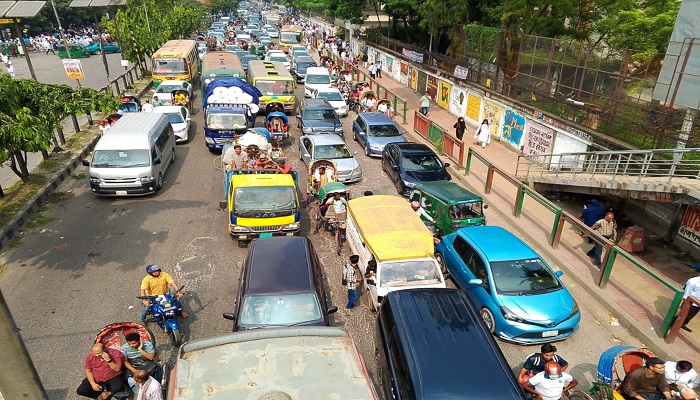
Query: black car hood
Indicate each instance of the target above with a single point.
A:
(427, 176)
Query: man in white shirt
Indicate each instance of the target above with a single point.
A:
(148, 388)
(681, 374)
(692, 288)
(420, 212)
(550, 384)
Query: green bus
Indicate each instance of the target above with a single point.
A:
(221, 64)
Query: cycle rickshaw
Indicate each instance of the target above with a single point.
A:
(130, 103)
(278, 124)
(327, 217)
(318, 180)
(181, 97)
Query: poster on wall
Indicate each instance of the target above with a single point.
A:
(432, 87)
(414, 78)
(404, 78)
(473, 108)
(538, 140)
(443, 95)
(513, 127)
(493, 112)
(389, 65)
(421, 82)
(690, 227)
(458, 101)
(404, 68)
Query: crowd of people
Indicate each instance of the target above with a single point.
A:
(235, 158)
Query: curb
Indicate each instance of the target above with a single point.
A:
(10, 230)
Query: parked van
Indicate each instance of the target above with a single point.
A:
(431, 344)
(387, 230)
(316, 78)
(133, 156)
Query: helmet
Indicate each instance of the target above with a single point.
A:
(152, 268)
(552, 370)
(415, 205)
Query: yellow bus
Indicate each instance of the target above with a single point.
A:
(275, 83)
(176, 60)
(290, 35)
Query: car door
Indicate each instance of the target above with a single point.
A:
(186, 117)
(306, 148)
(391, 155)
(360, 129)
(473, 267)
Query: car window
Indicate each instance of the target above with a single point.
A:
(330, 96)
(393, 153)
(523, 277)
(175, 118)
(332, 151)
(385, 130)
(360, 124)
(465, 252)
(421, 162)
(307, 145)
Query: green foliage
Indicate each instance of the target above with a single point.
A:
(480, 37)
(223, 6)
(349, 10)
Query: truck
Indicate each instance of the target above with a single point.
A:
(295, 363)
(261, 203)
(230, 107)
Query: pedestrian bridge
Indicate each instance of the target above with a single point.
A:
(668, 175)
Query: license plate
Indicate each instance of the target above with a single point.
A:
(550, 333)
(264, 235)
(121, 192)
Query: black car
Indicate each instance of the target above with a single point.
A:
(410, 163)
(281, 284)
(299, 67)
(318, 116)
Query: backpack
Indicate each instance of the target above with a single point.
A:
(345, 279)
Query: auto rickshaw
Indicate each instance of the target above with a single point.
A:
(450, 205)
(278, 124)
(316, 179)
(613, 365)
(76, 51)
(181, 97)
(130, 103)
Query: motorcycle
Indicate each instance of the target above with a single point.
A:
(165, 312)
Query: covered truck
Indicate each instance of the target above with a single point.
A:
(230, 107)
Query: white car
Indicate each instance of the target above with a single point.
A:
(164, 92)
(334, 97)
(274, 33)
(179, 118)
(279, 56)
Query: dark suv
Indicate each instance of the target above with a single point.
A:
(318, 116)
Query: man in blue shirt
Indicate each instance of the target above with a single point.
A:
(591, 214)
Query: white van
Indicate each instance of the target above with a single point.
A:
(132, 157)
(316, 78)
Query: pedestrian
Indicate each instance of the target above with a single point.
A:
(10, 67)
(425, 104)
(148, 387)
(365, 58)
(590, 214)
(103, 373)
(692, 288)
(147, 106)
(379, 69)
(104, 127)
(534, 363)
(52, 46)
(351, 277)
(681, 374)
(460, 126)
(483, 134)
(157, 102)
(373, 71)
(550, 384)
(607, 228)
(646, 382)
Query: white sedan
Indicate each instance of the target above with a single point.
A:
(179, 118)
(274, 33)
(334, 97)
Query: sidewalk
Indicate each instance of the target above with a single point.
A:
(636, 299)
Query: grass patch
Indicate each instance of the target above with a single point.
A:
(79, 176)
(39, 219)
(3, 269)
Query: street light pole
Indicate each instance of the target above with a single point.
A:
(102, 49)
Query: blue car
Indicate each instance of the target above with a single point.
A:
(519, 297)
(373, 130)
(109, 48)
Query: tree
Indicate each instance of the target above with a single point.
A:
(30, 112)
(401, 10)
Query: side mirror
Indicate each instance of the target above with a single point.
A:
(86, 163)
(447, 164)
(157, 161)
(332, 310)
(486, 206)
(223, 204)
(476, 282)
(559, 274)
(354, 153)
(229, 316)
(188, 119)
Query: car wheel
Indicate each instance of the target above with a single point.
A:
(367, 153)
(441, 260)
(400, 187)
(159, 182)
(172, 159)
(354, 136)
(487, 317)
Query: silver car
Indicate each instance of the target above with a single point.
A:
(332, 147)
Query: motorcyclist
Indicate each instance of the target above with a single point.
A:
(156, 283)
(420, 212)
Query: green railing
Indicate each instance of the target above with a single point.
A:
(435, 133)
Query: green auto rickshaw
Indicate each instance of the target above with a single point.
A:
(450, 205)
(76, 51)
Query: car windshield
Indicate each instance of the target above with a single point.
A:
(466, 210)
(217, 121)
(421, 162)
(523, 277)
(330, 96)
(175, 118)
(301, 67)
(173, 66)
(254, 199)
(408, 273)
(275, 88)
(332, 151)
(318, 115)
(281, 59)
(282, 309)
(232, 47)
(121, 158)
(290, 37)
(318, 79)
(384, 130)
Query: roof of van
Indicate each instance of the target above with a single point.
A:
(131, 131)
(497, 243)
(391, 228)
(450, 351)
(448, 192)
(279, 265)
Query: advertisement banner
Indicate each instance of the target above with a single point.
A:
(432, 87)
(422, 82)
(538, 141)
(458, 101)
(404, 78)
(461, 72)
(513, 127)
(443, 98)
(389, 66)
(690, 227)
(414, 78)
(404, 68)
(74, 70)
(493, 112)
(473, 108)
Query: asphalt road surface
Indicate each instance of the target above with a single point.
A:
(81, 269)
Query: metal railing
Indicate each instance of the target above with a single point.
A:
(127, 80)
(669, 164)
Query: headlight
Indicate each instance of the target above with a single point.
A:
(146, 179)
(291, 227)
(209, 140)
(509, 315)
(94, 180)
(408, 184)
(375, 147)
(343, 109)
(237, 228)
(339, 129)
(307, 130)
(574, 311)
(357, 170)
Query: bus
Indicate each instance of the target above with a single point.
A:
(290, 35)
(220, 64)
(176, 60)
(275, 83)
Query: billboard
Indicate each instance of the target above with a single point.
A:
(443, 94)
(513, 127)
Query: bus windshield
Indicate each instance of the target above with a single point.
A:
(163, 66)
(275, 88)
(290, 37)
(277, 200)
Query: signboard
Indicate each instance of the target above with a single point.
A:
(4, 21)
(458, 101)
(513, 127)
(74, 70)
(412, 55)
(473, 108)
(461, 72)
(443, 94)
(414, 78)
(690, 227)
(538, 141)
(493, 112)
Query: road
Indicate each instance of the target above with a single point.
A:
(81, 269)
